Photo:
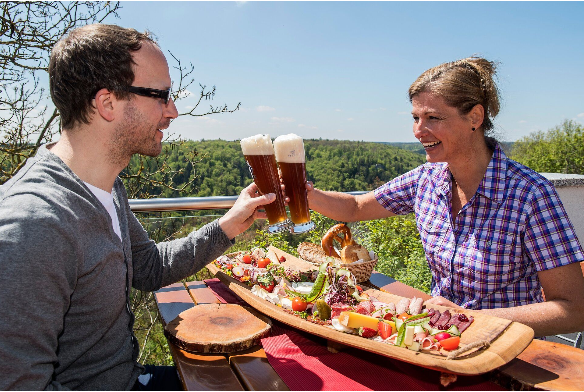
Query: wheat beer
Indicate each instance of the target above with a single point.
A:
(291, 160)
(259, 154)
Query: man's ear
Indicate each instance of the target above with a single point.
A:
(477, 115)
(105, 102)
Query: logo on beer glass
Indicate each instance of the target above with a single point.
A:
(291, 160)
(259, 154)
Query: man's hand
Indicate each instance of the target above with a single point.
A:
(245, 210)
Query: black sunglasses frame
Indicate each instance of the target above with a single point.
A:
(151, 92)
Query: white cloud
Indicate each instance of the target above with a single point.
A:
(265, 109)
(240, 3)
(338, 110)
(403, 113)
(580, 115)
(522, 121)
(350, 119)
(282, 119)
(340, 130)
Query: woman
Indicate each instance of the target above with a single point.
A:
(494, 231)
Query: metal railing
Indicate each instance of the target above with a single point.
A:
(190, 203)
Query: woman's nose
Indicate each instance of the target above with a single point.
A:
(419, 129)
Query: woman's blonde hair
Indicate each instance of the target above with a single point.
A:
(463, 84)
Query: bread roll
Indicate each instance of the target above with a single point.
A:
(352, 253)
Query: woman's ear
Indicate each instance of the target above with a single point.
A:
(476, 116)
(105, 102)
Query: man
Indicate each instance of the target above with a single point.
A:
(70, 248)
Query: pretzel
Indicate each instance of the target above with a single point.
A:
(334, 234)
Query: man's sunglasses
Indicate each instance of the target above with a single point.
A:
(151, 92)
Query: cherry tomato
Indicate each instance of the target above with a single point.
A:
(268, 288)
(246, 259)
(229, 266)
(263, 263)
(404, 316)
(359, 288)
(298, 304)
(450, 343)
(441, 336)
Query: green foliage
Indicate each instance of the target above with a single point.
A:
(397, 243)
(559, 150)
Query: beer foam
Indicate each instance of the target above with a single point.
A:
(257, 145)
(289, 148)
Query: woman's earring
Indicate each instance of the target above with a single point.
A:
(473, 129)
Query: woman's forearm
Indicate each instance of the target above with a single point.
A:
(546, 318)
(344, 207)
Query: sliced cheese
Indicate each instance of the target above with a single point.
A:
(409, 336)
(358, 320)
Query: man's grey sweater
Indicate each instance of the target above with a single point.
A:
(65, 279)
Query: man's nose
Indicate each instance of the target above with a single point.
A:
(170, 109)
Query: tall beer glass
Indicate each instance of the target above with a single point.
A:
(290, 156)
(259, 154)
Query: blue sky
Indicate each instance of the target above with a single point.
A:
(341, 70)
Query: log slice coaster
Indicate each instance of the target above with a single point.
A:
(218, 328)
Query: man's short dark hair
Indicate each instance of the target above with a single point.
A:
(88, 59)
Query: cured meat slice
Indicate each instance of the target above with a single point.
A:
(416, 306)
(402, 305)
(435, 317)
(337, 308)
(465, 324)
(443, 320)
(365, 307)
(455, 319)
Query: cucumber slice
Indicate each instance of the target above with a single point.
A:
(453, 330)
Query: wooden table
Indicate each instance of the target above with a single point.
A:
(543, 365)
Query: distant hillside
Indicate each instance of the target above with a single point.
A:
(418, 149)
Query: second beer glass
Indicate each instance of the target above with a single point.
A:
(259, 154)
(290, 156)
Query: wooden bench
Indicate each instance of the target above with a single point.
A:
(246, 370)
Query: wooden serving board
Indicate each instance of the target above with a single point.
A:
(507, 339)
(218, 328)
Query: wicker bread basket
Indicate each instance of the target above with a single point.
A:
(314, 254)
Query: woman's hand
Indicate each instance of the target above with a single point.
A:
(245, 210)
(442, 302)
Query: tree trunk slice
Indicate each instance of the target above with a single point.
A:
(218, 328)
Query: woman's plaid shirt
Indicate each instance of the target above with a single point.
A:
(514, 226)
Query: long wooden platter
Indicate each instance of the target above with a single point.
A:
(507, 339)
